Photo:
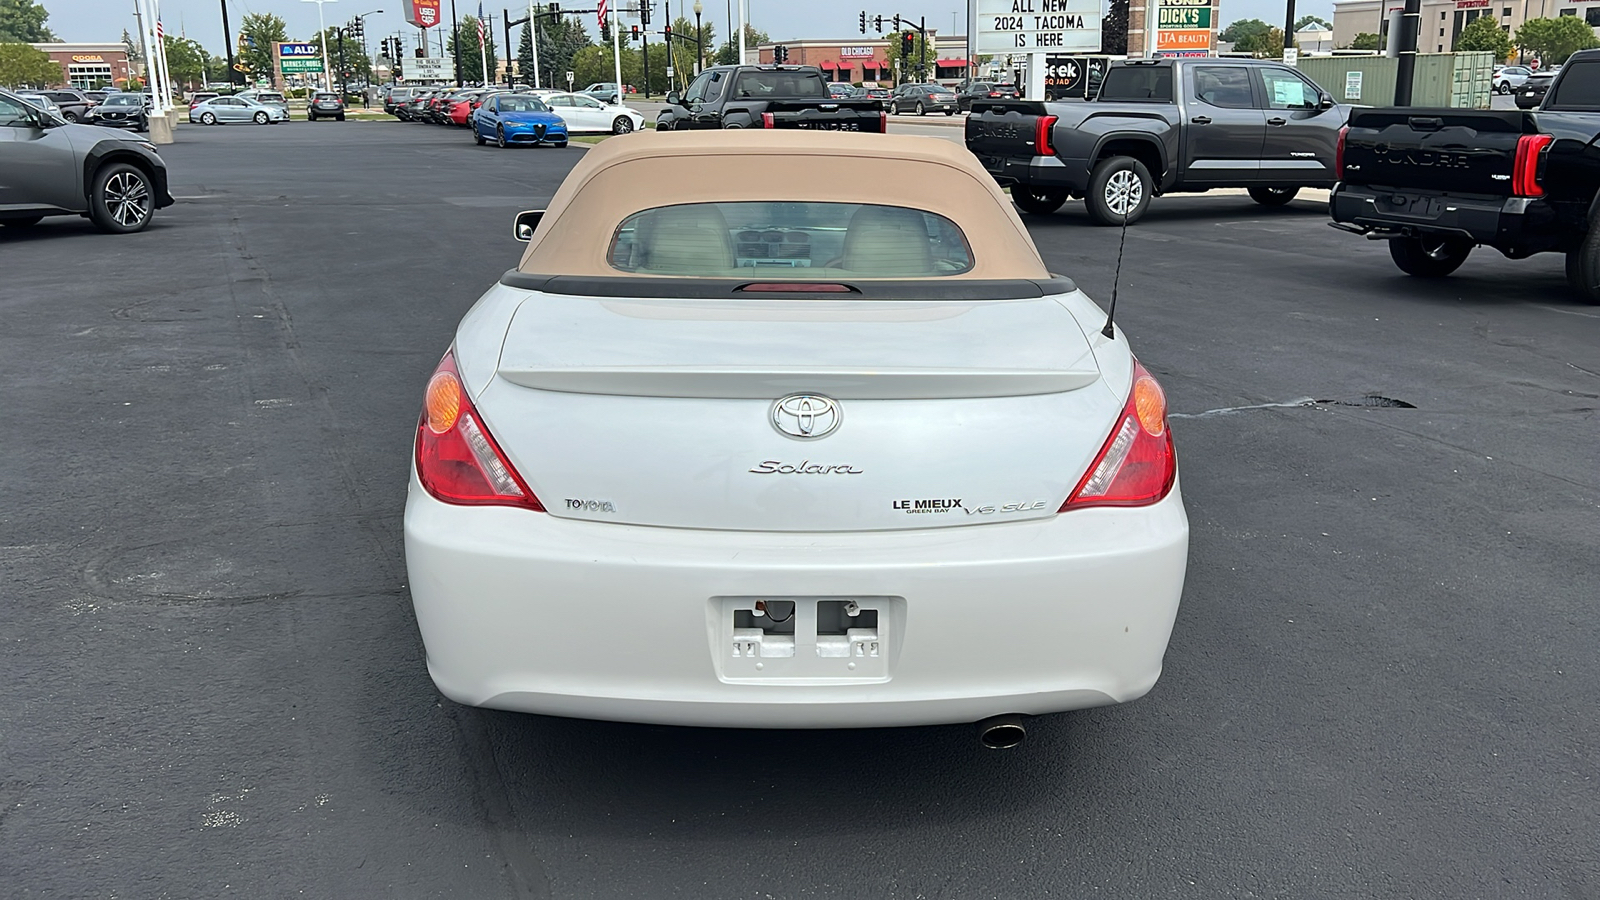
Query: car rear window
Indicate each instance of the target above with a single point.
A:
(1579, 89)
(804, 240)
(779, 84)
(1138, 83)
(269, 98)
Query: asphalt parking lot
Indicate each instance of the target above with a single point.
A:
(1382, 681)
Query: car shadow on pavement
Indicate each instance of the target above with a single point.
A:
(577, 778)
(1186, 208)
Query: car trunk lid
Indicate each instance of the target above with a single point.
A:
(657, 412)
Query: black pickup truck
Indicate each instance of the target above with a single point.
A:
(1436, 183)
(767, 97)
(1163, 126)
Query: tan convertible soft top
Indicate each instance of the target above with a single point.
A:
(626, 175)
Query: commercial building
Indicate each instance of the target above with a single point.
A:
(1442, 20)
(87, 65)
(867, 59)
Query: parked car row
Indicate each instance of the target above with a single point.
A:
(1434, 183)
(549, 116)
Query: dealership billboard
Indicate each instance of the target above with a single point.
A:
(422, 13)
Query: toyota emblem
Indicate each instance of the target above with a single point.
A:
(806, 417)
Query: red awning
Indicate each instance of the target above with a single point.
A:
(950, 63)
(828, 64)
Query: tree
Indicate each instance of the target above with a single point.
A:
(1553, 40)
(355, 59)
(1243, 29)
(260, 32)
(1365, 40)
(922, 55)
(22, 22)
(1114, 29)
(683, 47)
(593, 64)
(131, 46)
(1319, 21)
(22, 65)
(728, 53)
(559, 39)
(187, 61)
(468, 60)
(525, 55)
(1265, 45)
(1485, 33)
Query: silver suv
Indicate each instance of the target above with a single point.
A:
(50, 167)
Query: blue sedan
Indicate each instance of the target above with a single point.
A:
(510, 119)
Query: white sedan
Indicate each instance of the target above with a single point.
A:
(583, 113)
(791, 448)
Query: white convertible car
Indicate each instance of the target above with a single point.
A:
(779, 443)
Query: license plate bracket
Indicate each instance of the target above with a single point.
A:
(807, 639)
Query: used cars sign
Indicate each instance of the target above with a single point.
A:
(422, 13)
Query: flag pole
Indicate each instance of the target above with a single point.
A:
(533, 39)
(616, 49)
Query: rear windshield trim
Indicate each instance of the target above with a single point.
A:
(689, 288)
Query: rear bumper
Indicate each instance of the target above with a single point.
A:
(531, 612)
(1517, 226)
(1038, 171)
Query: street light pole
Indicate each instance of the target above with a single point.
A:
(699, 39)
(370, 73)
(322, 41)
(455, 38)
(227, 41)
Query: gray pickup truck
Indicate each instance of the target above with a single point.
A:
(1159, 127)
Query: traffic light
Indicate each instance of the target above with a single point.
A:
(357, 30)
(863, 21)
(397, 71)
(908, 44)
(896, 23)
(634, 34)
(555, 9)
(644, 13)
(877, 24)
(780, 54)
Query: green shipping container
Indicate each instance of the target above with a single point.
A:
(1456, 80)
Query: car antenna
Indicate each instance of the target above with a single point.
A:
(1111, 311)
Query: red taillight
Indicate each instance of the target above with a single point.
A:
(766, 120)
(883, 122)
(1338, 153)
(1525, 172)
(994, 93)
(458, 460)
(1138, 464)
(1042, 142)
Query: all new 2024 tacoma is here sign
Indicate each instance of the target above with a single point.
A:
(1030, 26)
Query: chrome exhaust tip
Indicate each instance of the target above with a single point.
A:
(1002, 732)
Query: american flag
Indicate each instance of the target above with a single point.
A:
(483, 30)
(161, 33)
(602, 13)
